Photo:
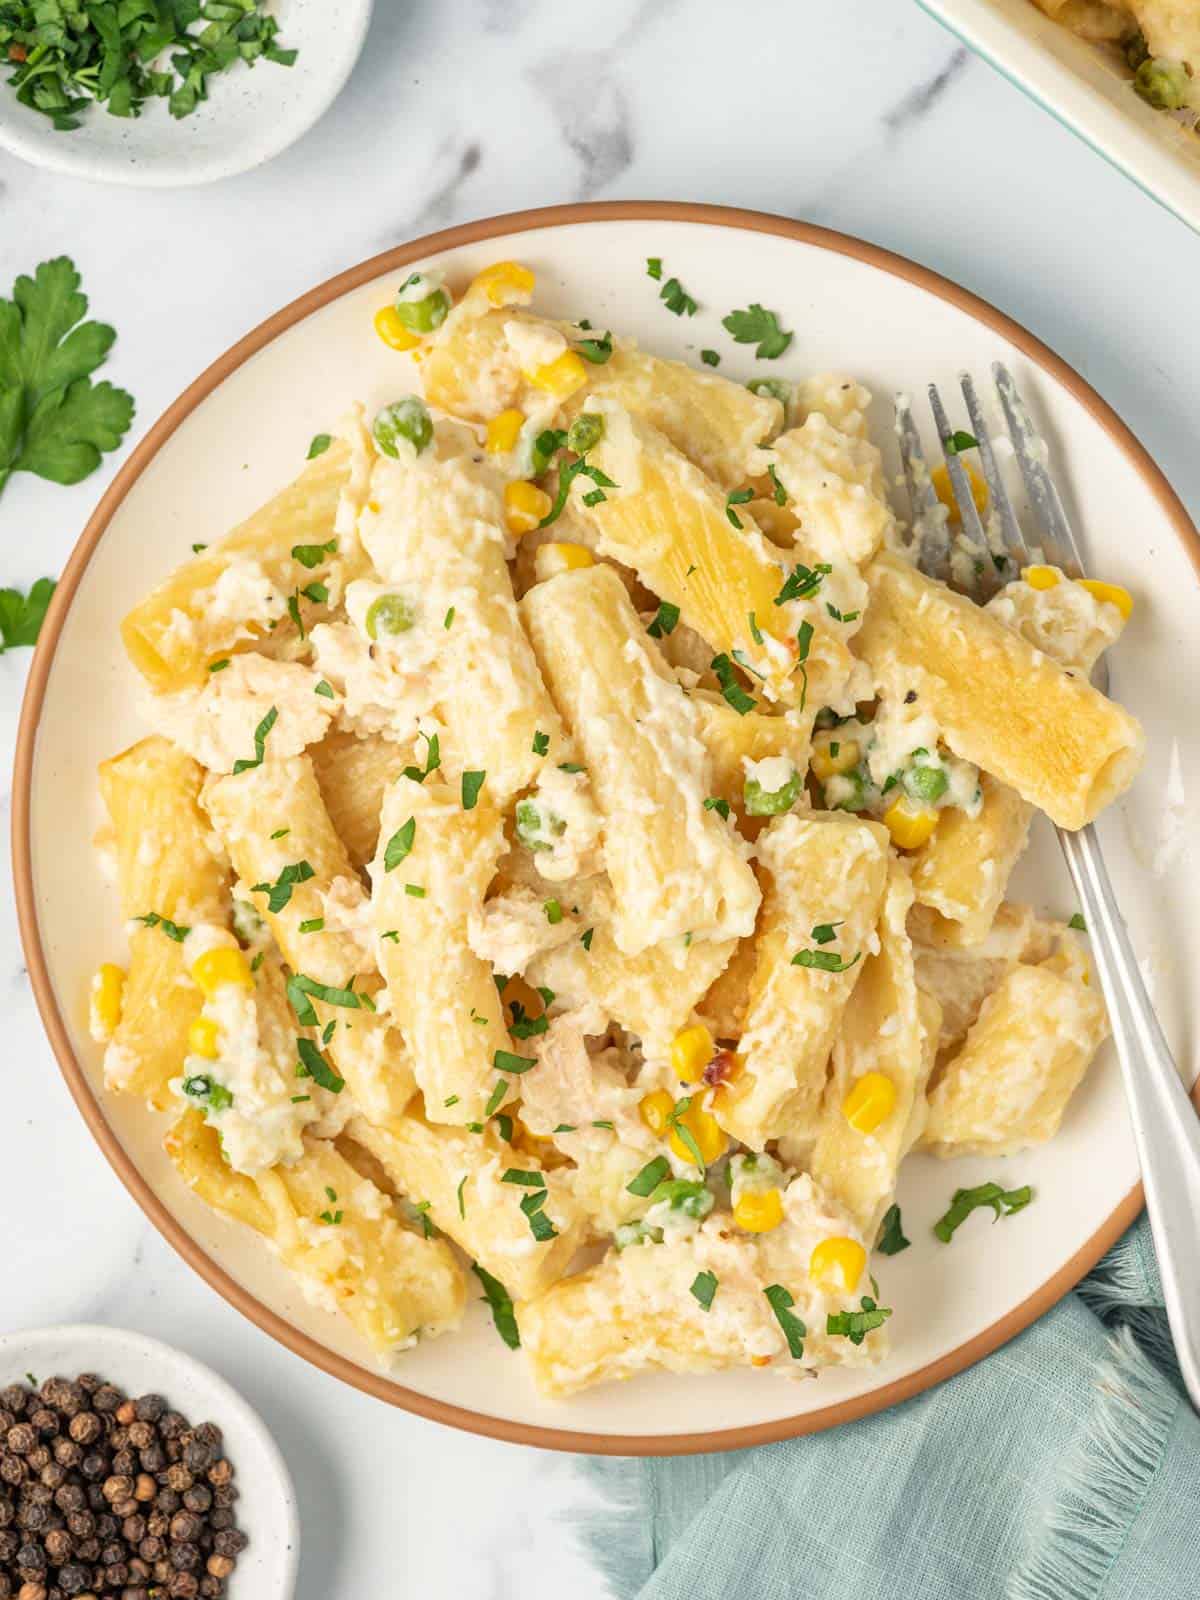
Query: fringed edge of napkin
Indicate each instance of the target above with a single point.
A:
(616, 1531)
(1104, 1481)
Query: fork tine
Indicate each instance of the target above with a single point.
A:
(1010, 528)
(926, 510)
(968, 512)
(1043, 496)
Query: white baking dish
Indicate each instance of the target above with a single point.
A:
(1078, 83)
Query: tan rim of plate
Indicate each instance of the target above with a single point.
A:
(377, 1384)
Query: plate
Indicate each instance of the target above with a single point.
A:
(252, 113)
(242, 430)
(1077, 83)
(266, 1508)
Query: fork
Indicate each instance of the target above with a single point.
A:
(979, 561)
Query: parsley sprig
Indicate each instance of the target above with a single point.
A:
(759, 327)
(1004, 1202)
(21, 616)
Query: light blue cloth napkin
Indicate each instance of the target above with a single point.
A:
(1064, 1467)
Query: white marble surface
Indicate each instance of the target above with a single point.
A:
(859, 114)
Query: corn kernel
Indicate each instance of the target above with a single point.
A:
(220, 966)
(504, 430)
(838, 1263)
(655, 1109)
(505, 283)
(705, 1130)
(760, 1361)
(1040, 577)
(910, 824)
(944, 489)
(524, 505)
(870, 1102)
(105, 1000)
(561, 377)
(1109, 593)
(691, 1051)
(551, 559)
(826, 764)
(202, 1038)
(392, 331)
(759, 1212)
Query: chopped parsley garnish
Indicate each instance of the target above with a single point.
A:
(260, 742)
(399, 845)
(314, 1065)
(597, 351)
(737, 497)
(565, 1127)
(958, 441)
(524, 1026)
(504, 1125)
(824, 960)
(779, 493)
(279, 893)
(496, 1098)
(856, 1325)
(585, 938)
(781, 1303)
(327, 1031)
(654, 266)
(737, 697)
(219, 665)
(685, 1135)
(433, 760)
(704, 1288)
(196, 548)
(566, 477)
(393, 934)
(715, 803)
(280, 833)
(666, 619)
(301, 991)
(448, 618)
(500, 1301)
(472, 783)
(677, 300)
(415, 890)
(53, 420)
(891, 1233)
(826, 932)
(804, 638)
(324, 688)
(760, 327)
(421, 1207)
(571, 766)
(710, 358)
(1004, 1202)
(541, 743)
(554, 912)
(802, 582)
(311, 555)
(649, 1178)
(603, 1123)
(215, 1096)
(313, 925)
(1078, 923)
(462, 1205)
(755, 630)
(540, 1225)
(842, 616)
(173, 930)
(451, 1100)
(526, 1179)
(318, 445)
(300, 1099)
(258, 961)
(506, 1061)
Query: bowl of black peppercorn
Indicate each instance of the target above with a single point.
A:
(129, 1471)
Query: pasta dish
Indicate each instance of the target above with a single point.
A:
(569, 859)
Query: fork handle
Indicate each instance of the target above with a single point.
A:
(1166, 1129)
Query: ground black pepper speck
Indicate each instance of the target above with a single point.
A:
(103, 1495)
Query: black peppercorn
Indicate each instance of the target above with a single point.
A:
(106, 1398)
(73, 1579)
(85, 1427)
(14, 1398)
(62, 1396)
(172, 1425)
(21, 1438)
(168, 1501)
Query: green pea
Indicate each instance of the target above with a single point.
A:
(587, 430)
(389, 615)
(774, 388)
(928, 784)
(762, 802)
(1162, 83)
(543, 449)
(423, 316)
(406, 418)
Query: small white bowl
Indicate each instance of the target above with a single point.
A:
(252, 113)
(266, 1508)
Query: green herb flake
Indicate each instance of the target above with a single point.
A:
(554, 912)
(173, 930)
(1004, 1202)
(597, 351)
(500, 1301)
(683, 1133)
(758, 327)
(414, 890)
(472, 783)
(715, 803)
(462, 1204)
(524, 1178)
(779, 493)
(585, 938)
(314, 1065)
(318, 445)
(399, 845)
(676, 299)
(21, 616)
(704, 1288)
(826, 932)
(794, 1331)
(260, 742)
(302, 990)
(958, 441)
(496, 1098)
(541, 743)
(565, 1127)
(506, 1061)
(824, 960)
(737, 497)
(666, 619)
(891, 1233)
(196, 548)
(279, 893)
(1078, 923)
(312, 555)
(803, 582)
(755, 630)
(856, 1325)
(433, 759)
(654, 267)
(393, 934)
(313, 925)
(710, 358)
(448, 618)
(735, 695)
(649, 1178)
(504, 1126)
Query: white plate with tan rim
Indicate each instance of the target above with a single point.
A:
(241, 431)
(250, 115)
(266, 1507)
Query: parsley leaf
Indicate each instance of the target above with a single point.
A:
(399, 845)
(433, 760)
(300, 987)
(1078, 923)
(666, 619)
(758, 327)
(320, 443)
(778, 491)
(654, 266)
(958, 441)
(500, 1301)
(314, 1065)
(802, 582)
(715, 803)
(53, 420)
(856, 1325)
(737, 497)
(553, 910)
(173, 930)
(824, 960)
(1004, 1202)
(311, 555)
(472, 783)
(279, 893)
(506, 1061)
(597, 351)
(260, 741)
(649, 1178)
(710, 358)
(541, 742)
(781, 1303)
(21, 616)
(730, 687)
(678, 301)
(891, 1233)
(704, 1287)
